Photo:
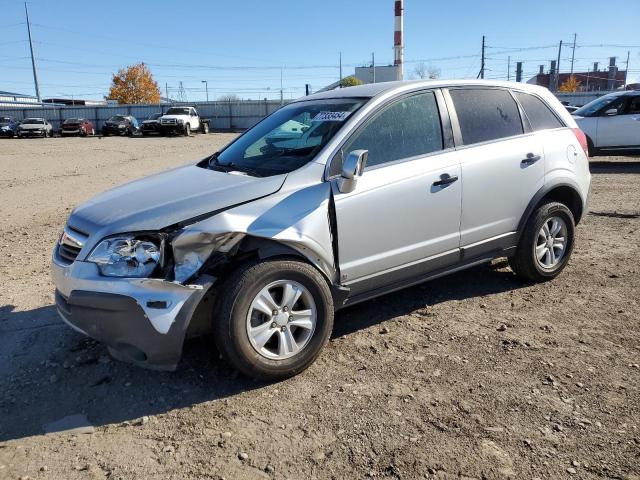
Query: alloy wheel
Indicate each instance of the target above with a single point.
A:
(551, 243)
(281, 319)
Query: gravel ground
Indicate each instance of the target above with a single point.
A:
(471, 376)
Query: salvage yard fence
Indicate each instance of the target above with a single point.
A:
(222, 115)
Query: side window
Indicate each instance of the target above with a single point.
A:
(406, 128)
(486, 114)
(634, 106)
(539, 115)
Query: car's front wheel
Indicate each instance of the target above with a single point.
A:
(546, 243)
(274, 318)
(187, 129)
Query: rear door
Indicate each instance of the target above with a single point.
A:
(502, 167)
(401, 220)
(621, 130)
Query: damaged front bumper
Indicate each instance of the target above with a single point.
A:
(142, 320)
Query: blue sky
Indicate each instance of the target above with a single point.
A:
(242, 46)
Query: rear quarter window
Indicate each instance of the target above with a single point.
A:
(486, 114)
(539, 114)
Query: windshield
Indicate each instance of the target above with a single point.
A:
(596, 105)
(117, 118)
(33, 121)
(5, 120)
(71, 120)
(287, 139)
(155, 116)
(177, 111)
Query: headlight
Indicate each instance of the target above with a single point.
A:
(126, 256)
(180, 120)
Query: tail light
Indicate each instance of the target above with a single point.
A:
(582, 140)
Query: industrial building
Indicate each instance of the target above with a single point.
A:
(10, 99)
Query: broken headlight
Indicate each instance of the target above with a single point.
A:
(126, 256)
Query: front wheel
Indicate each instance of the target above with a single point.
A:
(187, 129)
(274, 318)
(546, 243)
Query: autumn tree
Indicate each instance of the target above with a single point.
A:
(350, 81)
(134, 84)
(572, 84)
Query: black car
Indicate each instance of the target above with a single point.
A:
(151, 125)
(120, 125)
(8, 127)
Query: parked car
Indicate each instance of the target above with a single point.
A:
(151, 125)
(8, 127)
(34, 127)
(611, 122)
(120, 125)
(389, 185)
(183, 120)
(77, 126)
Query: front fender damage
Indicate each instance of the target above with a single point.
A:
(298, 219)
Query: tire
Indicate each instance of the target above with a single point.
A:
(105, 133)
(535, 242)
(205, 128)
(187, 129)
(236, 314)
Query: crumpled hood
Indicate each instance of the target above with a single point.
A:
(167, 198)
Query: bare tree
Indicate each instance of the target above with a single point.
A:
(426, 71)
(231, 97)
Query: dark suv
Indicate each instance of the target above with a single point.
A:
(151, 125)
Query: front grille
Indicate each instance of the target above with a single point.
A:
(169, 121)
(70, 243)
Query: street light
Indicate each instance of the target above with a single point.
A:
(206, 88)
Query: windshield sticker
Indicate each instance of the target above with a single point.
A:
(331, 117)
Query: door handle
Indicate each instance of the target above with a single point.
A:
(531, 159)
(445, 179)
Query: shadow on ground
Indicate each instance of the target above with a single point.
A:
(51, 372)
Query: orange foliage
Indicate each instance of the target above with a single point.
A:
(570, 85)
(135, 84)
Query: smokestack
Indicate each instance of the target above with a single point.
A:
(398, 38)
(595, 66)
(613, 73)
(518, 71)
(541, 72)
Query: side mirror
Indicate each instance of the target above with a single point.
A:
(611, 112)
(352, 168)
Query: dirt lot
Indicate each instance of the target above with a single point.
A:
(472, 376)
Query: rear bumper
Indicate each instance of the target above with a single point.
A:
(142, 321)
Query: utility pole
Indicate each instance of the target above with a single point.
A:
(166, 91)
(33, 60)
(206, 88)
(508, 68)
(281, 90)
(556, 82)
(340, 67)
(373, 66)
(626, 71)
(481, 74)
(573, 51)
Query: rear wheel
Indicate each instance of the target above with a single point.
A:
(205, 128)
(546, 243)
(274, 318)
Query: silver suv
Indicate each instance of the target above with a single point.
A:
(334, 199)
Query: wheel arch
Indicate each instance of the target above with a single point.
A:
(563, 192)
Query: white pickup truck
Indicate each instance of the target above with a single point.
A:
(182, 120)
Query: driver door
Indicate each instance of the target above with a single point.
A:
(622, 129)
(402, 220)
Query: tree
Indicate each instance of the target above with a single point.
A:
(350, 81)
(572, 84)
(231, 97)
(134, 84)
(426, 71)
